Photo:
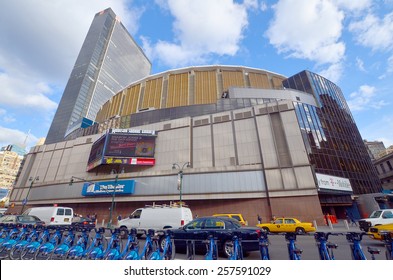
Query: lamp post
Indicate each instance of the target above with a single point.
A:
(113, 195)
(24, 202)
(180, 177)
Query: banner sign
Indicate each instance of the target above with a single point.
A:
(333, 183)
(131, 161)
(121, 187)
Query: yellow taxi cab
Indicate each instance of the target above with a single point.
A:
(237, 217)
(287, 225)
(375, 231)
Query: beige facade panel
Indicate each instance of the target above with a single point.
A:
(224, 146)
(247, 142)
(177, 90)
(202, 147)
(205, 87)
(114, 108)
(269, 154)
(274, 180)
(103, 113)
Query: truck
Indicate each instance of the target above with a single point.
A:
(52, 215)
(377, 217)
(157, 217)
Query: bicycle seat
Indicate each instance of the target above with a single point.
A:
(331, 245)
(290, 236)
(373, 251)
(133, 231)
(151, 232)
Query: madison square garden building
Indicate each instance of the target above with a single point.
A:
(241, 140)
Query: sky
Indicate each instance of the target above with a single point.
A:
(349, 42)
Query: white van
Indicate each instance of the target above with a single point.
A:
(157, 217)
(52, 215)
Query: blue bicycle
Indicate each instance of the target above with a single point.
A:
(211, 246)
(294, 253)
(134, 254)
(29, 251)
(15, 252)
(45, 250)
(79, 250)
(61, 250)
(114, 249)
(325, 248)
(387, 238)
(168, 251)
(355, 238)
(20, 233)
(263, 241)
(97, 246)
(236, 253)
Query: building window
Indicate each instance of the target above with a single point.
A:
(389, 165)
(383, 168)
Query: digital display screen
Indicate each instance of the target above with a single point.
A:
(97, 150)
(130, 145)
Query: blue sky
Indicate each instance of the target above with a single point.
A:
(349, 42)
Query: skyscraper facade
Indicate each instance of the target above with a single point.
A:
(108, 61)
(332, 139)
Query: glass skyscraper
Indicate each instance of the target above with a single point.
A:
(108, 61)
(333, 141)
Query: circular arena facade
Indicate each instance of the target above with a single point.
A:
(222, 139)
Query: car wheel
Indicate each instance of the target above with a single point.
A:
(300, 230)
(227, 248)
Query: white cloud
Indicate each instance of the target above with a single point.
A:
(365, 98)
(13, 136)
(333, 72)
(360, 64)
(354, 6)
(373, 32)
(201, 28)
(24, 93)
(308, 29)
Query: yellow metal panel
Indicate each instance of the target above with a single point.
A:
(177, 90)
(232, 79)
(205, 87)
(259, 80)
(153, 92)
(277, 82)
(131, 100)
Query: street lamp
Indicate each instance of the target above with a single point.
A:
(24, 201)
(113, 195)
(180, 177)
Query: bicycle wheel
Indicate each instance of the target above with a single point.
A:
(3, 253)
(42, 254)
(15, 252)
(28, 253)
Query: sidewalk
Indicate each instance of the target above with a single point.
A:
(341, 226)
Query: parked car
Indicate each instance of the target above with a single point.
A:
(222, 227)
(287, 225)
(378, 217)
(375, 231)
(238, 217)
(21, 219)
(83, 222)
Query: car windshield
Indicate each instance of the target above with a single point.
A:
(376, 214)
(26, 219)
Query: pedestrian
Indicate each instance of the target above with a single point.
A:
(259, 219)
(119, 217)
